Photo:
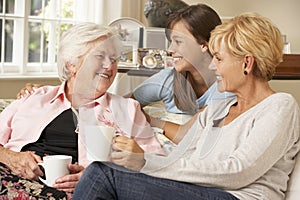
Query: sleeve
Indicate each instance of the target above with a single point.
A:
(155, 88)
(132, 122)
(6, 118)
(274, 135)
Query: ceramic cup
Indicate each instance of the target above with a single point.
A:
(55, 166)
(98, 142)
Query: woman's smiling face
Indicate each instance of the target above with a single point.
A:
(183, 47)
(97, 70)
(228, 70)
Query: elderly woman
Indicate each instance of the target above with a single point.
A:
(43, 123)
(238, 148)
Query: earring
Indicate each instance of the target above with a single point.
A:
(245, 72)
(203, 48)
(73, 73)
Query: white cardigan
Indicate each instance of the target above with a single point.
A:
(251, 157)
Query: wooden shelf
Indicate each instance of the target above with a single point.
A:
(289, 68)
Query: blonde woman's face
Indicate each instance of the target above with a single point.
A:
(96, 72)
(183, 47)
(229, 70)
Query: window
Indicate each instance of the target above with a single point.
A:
(30, 31)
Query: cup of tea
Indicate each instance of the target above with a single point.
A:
(55, 166)
(98, 141)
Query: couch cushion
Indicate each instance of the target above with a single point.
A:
(4, 103)
(293, 190)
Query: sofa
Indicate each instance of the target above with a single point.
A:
(157, 110)
(292, 87)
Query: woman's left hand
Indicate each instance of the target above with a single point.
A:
(126, 152)
(67, 183)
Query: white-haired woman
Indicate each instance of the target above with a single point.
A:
(43, 123)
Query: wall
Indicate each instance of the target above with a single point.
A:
(284, 13)
(9, 87)
(289, 86)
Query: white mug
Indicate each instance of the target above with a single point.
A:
(98, 142)
(55, 166)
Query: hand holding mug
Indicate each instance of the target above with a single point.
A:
(55, 166)
(98, 140)
(68, 182)
(127, 153)
(23, 164)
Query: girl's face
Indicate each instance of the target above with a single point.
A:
(97, 70)
(228, 70)
(183, 47)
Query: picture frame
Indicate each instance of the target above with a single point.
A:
(129, 30)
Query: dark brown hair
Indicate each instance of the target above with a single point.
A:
(199, 20)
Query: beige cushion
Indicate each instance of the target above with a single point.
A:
(293, 190)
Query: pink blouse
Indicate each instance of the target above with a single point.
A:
(23, 121)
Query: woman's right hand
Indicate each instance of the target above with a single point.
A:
(28, 89)
(24, 164)
(126, 152)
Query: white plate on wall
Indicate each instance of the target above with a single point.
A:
(129, 30)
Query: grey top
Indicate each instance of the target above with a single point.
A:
(251, 157)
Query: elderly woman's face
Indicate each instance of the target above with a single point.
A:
(97, 70)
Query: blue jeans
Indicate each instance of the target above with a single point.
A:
(107, 181)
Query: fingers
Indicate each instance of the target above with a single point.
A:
(119, 147)
(67, 183)
(120, 158)
(68, 178)
(24, 164)
(129, 160)
(121, 139)
(116, 155)
(37, 158)
(31, 86)
(66, 186)
(32, 172)
(28, 89)
(75, 168)
(123, 143)
(126, 152)
(23, 92)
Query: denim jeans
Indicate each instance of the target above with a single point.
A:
(107, 181)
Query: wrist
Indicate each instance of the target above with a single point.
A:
(155, 122)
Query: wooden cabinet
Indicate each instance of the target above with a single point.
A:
(289, 68)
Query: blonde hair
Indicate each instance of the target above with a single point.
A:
(251, 33)
(76, 42)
